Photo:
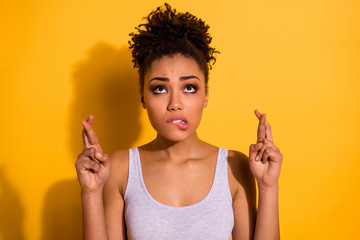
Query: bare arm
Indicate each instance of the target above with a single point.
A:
(265, 162)
(267, 222)
(93, 217)
(262, 223)
(93, 169)
(103, 210)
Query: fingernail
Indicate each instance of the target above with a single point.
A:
(99, 154)
(257, 158)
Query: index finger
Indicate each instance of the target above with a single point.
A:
(89, 134)
(261, 128)
(268, 132)
(258, 114)
(84, 137)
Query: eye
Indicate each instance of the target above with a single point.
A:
(190, 89)
(159, 89)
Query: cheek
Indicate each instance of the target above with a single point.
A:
(154, 109)
(149, 100)
(197, 103)
(195, 109)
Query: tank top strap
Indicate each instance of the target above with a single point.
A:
(133, 176)
(221, 187)
(222, 164)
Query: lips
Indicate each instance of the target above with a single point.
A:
(179, 121)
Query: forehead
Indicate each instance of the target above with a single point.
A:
(173, 66)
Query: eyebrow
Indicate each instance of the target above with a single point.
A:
(183, 78)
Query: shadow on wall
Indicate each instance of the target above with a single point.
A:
(11, 225)
(106, 85)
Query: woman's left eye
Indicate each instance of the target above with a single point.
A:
(190, 89)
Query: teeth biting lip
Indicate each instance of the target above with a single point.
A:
(176, 121)
(179, 121)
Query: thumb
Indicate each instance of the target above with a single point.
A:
(254, 148)
(103, 158)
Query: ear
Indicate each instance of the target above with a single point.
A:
(206, 96)
(142, 101)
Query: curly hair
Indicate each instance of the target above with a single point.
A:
(167, 33)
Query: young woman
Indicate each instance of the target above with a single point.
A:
(177, 186)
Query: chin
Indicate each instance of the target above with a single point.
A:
(175, 136)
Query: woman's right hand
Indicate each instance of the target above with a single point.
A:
(92, 165)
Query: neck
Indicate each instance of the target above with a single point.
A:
(177, 151)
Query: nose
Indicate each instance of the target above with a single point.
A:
(175, 103)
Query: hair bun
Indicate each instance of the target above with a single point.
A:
(164, 24)
(166, 33)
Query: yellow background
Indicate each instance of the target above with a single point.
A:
(297, 61)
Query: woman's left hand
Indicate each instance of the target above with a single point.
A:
(265, 158)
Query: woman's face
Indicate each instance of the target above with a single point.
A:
(174, 96)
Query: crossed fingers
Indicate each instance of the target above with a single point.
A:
(264, 139)
(91, 141)
(264, 129)
(89, 137)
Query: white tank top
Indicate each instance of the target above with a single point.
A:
(148, 219)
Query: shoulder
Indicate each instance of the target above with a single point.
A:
(119, 169)
(238, 162)
(120, 156)
(114, 204)
(241, 178)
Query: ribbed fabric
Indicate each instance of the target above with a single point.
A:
(148, 219)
